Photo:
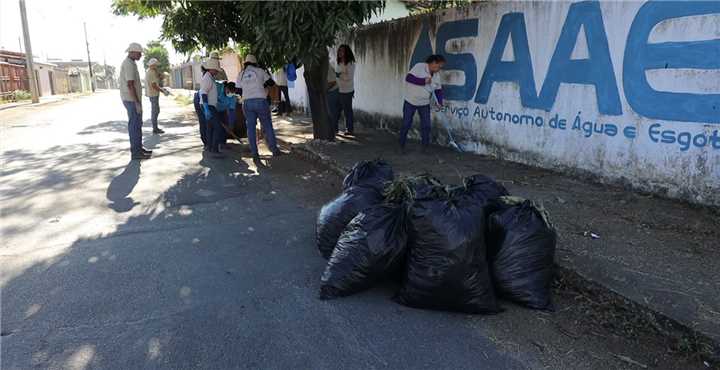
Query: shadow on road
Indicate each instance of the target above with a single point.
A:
(121, 186)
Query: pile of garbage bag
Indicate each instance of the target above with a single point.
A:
(454, 248)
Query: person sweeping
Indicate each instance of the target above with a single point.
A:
(421, 82)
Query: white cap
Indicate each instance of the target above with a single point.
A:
(214, 55)
(250, 59)
(152, 62)
(134, 46)
(212, 64)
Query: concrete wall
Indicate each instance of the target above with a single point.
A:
(43, 79)
(624, 91)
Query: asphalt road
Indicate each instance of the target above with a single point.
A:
(186, 262)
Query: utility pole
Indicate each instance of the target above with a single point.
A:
(28, 54)
(87, 45)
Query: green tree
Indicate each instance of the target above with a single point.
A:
(427, 6)
(274, 31)
(155, 49)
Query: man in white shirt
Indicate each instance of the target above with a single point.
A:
(153, 90)
(209, 96)
(131, 93)
(253, 82)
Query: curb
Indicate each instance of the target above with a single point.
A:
(31, 104)
(624, 310)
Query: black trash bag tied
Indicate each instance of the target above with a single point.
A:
(336, 214)
(446, 266)
(372, 248)
(375, 173)
(521, 251)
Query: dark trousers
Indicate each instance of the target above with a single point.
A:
(201, 120)
(333, 102)
(285, 106)
(346, 107)
(408, 114)
(214, 132)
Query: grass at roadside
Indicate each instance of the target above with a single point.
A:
(183, 99)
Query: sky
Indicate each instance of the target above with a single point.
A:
(56, 30)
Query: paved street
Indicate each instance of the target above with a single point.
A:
(187, 262)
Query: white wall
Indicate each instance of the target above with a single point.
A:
(43, 80)
(663, 137)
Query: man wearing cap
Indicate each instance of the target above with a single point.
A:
(253, 82)
(153, 90)
(220, 75)
(131, 93)
(209, 97)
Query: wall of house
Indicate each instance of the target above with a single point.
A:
(626, 92)
(43, 80)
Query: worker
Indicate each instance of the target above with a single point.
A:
(252, 83)
(422, 82)
(153, 90)
(209, 97)
(345, 79)
(202, 125)
(131, 93)
(220, 75)
(226, 109)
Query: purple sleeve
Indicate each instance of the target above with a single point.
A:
(439, 95)
(415, 80)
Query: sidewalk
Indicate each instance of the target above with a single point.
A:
(657, 259)
(43, 100)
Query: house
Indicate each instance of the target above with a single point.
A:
(13, 74)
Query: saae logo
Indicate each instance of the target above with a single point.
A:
(596, 70)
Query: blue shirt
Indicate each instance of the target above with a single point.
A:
(224, 102)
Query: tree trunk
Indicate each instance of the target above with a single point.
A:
(316, 80)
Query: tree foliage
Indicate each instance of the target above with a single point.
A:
(155, 49)
(275, 31)
(426, 6)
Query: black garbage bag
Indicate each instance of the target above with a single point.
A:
(446, 267)
(375, 174)
(521, 251)
(371, 248)
(337, 213)
(484, 188)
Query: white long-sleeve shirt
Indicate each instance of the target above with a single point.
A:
(346, 78)
(207, 86)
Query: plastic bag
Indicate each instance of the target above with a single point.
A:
(376, 174)
(337, 213)
(521, 252)
(446, 267)
(483, 188)
(371, 248)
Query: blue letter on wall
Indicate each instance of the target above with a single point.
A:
(458, 61)
(423, 47)
(641, 56)
(597, 70)
(520, 70)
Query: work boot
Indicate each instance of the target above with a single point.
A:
(158, 131)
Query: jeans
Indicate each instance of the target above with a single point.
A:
(254, 109)
(333, 102)
(134, 127)
(214, 131)
(285, 106)
(154, 110)
(408, 113)
(346, 106)
(228, 119)
(201, 120)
